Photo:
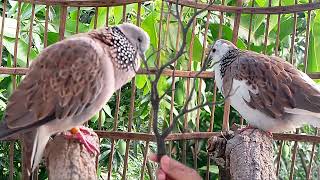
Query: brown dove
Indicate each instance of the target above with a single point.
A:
(70, 81)
(267, 91)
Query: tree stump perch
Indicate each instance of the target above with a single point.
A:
(67, 159)
(248, 155)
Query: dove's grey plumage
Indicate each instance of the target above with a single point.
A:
(267, 91)
(70, 81)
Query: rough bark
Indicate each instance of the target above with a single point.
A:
(248, 155)
(67, 159)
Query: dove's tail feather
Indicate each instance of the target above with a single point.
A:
(6, 132)
(27, 142)
(41, 138)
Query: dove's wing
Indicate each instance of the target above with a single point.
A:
(276, 85)
(65, 79)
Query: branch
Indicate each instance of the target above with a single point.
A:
(184, 34)
(155, 99)
(167, 131)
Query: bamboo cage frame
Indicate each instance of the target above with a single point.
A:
(148, 137)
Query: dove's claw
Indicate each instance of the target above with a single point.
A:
(85, 130)
(79, 134)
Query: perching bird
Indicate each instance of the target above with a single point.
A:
(70, 81)
(266, 90)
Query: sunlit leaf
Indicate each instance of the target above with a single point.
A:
(314, 53)
(10, 26)
(118, 14)
(212, 168)
(141, 81)
(102, 16)
(72, 24)
(107, 109)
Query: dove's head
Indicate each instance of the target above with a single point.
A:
(218, 50)
(137, 36)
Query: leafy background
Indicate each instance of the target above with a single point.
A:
(150, 15)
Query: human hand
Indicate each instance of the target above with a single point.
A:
(173, 170)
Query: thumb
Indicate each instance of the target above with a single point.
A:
(175, 170)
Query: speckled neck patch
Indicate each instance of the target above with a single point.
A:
(126, 53)
(227, 59)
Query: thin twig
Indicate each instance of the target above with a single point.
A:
(155, 99)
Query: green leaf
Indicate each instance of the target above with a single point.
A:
(13, 10)
(150, 26)
(8, 43)
(101, 21)
(287, 2)
(53, 37)
(121, 146)
(26, 10)
(197, 47)
(314, 46)
(95, 117)
(73, 13)
(162, 85)
(226, 34)
(103, 117)
(256, 22)
(107, 109)
(117, 12)
(180, 93)
(172, 36)
(141, 80)
(71, 26)
(212, 169)
(147, 88)
(285, 151)
(164, 104)
(285, 22)
(10, 26)
(260, 3)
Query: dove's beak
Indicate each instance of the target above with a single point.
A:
(208, 63)
(143, 57)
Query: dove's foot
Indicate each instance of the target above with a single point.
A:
(269, 134)
(80, 134)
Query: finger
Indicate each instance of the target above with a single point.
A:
(175, 170)
(153, 157)
(161, 175)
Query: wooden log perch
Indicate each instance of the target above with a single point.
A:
(67, 159)
(248, 155)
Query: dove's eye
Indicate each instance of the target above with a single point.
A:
(139, 39)
(214, 50)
